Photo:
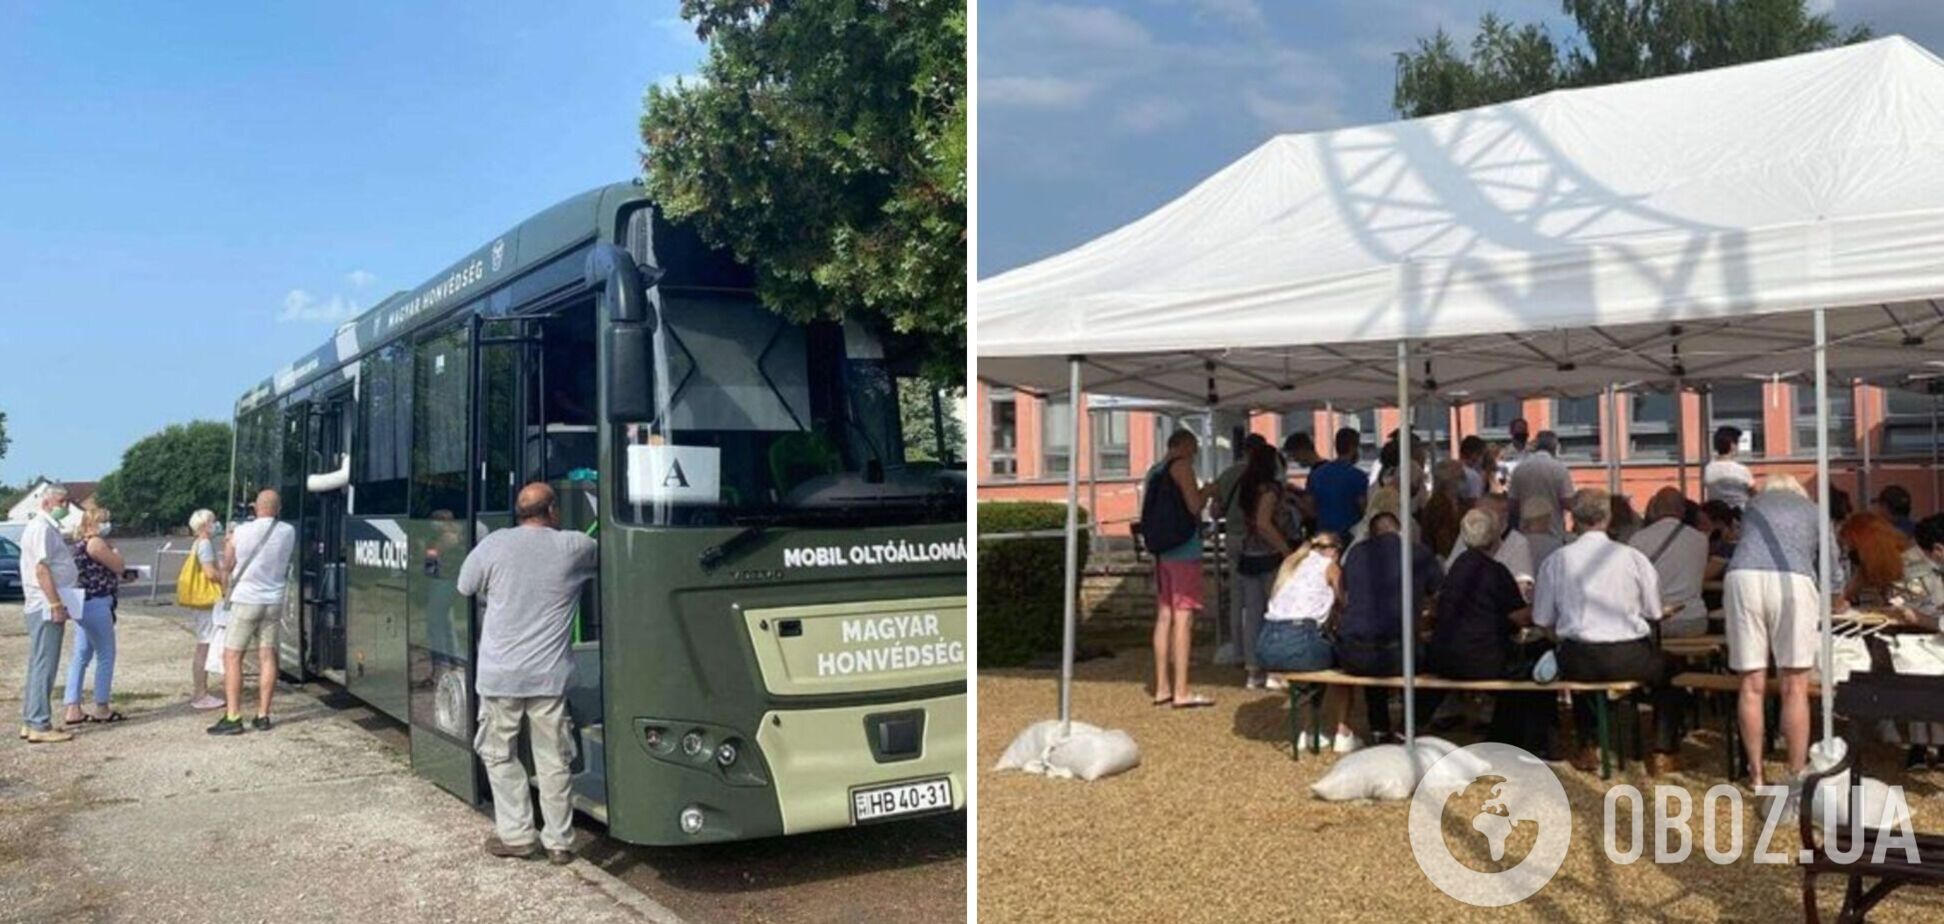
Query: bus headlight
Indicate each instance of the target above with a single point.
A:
(692, 743)
(726, 754)
(692, 820)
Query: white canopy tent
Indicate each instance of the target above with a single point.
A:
(1785, 217)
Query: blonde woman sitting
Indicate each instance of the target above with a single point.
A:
(1293, 639)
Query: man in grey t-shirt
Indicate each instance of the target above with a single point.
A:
(532, 575)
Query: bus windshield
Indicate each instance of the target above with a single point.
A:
(762, 420)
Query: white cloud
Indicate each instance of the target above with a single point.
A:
(360, 279)
(1097, 26)
(1246, 13)
(1034, 92)
(302, 307)
(1151, 115)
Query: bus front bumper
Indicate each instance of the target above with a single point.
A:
(822, 760)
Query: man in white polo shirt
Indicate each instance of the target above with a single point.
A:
(48, 569)
(258, 563)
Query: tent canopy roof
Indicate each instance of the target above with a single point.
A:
(1680, 226)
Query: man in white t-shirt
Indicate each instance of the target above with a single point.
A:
(258, 564)
(48, 571)
(1726, 479)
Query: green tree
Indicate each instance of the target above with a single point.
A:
(3, 435)
(1618, 40)
(824, 143)
(921, 426)
(167, 476)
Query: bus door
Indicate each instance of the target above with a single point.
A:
(321, 533)
(439, 623)
(536, 423)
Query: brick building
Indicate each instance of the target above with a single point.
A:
(1023, 440)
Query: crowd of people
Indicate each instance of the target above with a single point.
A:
(1514, 570)
(529, 578)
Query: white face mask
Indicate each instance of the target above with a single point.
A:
(104, 529)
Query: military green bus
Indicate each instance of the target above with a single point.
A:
(776, 642)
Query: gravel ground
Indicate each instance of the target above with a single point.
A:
(151, 820)
(1217, 824)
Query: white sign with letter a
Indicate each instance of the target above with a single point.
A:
(674, 474)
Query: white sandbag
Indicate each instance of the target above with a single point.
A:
(1384, 772)
(1087, 752)
(1831, 802)
(1092, 755)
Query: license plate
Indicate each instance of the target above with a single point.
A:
(881, 802)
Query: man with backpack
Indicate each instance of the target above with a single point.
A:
(1171, 511)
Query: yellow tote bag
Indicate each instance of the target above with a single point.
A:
(194, 589)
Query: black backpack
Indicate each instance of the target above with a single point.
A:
(1165, 521)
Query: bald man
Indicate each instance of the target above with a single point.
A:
(257, 560)
(531, 575)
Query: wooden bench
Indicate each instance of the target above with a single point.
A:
(1306, 688)
(1867, 697)
(1720, 685)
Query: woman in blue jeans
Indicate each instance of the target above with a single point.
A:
(100, 567)
(1305, 595)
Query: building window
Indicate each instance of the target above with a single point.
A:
(1653, 425)
(1365, 423)
(1111, 444)
(1842, 420)
(1294, 422)
(1577, 421)
(1738, 406)
(1002, 435)
(1056, 438)
(1495, 419)
(1907, 423)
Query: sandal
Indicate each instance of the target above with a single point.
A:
(1196, 701)
(110, 718)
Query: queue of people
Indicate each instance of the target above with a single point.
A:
(1511, 561)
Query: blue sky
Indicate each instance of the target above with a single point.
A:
(1092, 114)
(193, 193)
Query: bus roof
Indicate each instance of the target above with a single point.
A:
(564, 225)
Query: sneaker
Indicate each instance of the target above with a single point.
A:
(1346, 742)
(1255, 681)
(50, 736)
(260, 723)
(24, 732)
(1273, 682)
(206, 702)
(227, 726)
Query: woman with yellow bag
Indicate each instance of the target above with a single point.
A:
(199, 588)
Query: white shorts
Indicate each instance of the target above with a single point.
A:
(1771, 613)
(207, 632)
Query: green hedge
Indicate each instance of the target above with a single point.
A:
(1021, 581)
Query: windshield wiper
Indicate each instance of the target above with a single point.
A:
(713, 556)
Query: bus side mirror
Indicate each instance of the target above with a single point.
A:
(630, 384)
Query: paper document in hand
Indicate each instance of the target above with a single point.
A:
(73, 599)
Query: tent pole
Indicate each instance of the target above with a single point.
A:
(1823, 562)
(1406, 475)
(1612, 448)
(1071, 623)
(1862, 473)
(1937, 477)
(1094, 537)
(1681, 433)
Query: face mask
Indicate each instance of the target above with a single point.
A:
(104, 529)
(59, 513)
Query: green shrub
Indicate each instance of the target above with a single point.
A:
(1022, 582)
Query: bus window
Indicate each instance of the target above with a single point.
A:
(383, 448)
(766, 420)
(439, 405)
(563, 396)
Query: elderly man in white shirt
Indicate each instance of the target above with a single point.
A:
(1679, 554)
(50, 581)
(1514, 552)
(1599, 598)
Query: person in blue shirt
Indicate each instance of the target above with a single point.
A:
(1337, 487)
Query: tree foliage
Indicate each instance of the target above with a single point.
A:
(1618, 40)
(3, 435)
(167, 476)
(824, 143)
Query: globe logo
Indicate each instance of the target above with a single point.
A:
(1490, 824)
